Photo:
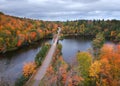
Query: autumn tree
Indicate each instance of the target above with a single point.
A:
(84, 61)
(29, 68)
(105, 71)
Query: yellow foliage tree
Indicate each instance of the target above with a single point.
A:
(95, 69)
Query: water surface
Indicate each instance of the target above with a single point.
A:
(72, 45)
(11, 63)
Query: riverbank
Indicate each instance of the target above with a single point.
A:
(87, 37)
(24, 45)
(63, 36)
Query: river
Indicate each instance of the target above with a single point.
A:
(11, 63)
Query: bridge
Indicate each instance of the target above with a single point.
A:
(35, 80)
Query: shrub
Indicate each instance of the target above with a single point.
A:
(21, 81)
(42, 53)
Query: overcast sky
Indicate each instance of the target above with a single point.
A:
(62, 9)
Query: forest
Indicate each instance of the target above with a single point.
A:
(110, 28)
(16, 32)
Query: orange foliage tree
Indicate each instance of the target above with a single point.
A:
(106, 71)
(29, 68)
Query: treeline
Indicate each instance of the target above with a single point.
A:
(15, 31)
(110, 28)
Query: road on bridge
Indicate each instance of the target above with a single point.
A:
(43, 68)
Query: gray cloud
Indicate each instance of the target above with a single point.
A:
(83, 1)
(62, 9)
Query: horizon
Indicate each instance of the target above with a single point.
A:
(62, 10)
(61, 20)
